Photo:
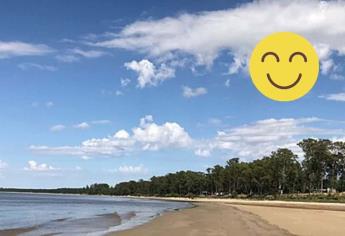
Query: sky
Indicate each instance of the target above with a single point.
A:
(108, 91)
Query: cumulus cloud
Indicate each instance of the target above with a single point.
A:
(205, 35)
(148, 74)
(34, 166)
(153, 137)
(17, 48)
(338, 97)
(147, 136)
(190, 92)
(247, 141)
(57, 128)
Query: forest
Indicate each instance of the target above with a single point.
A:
(321, 170)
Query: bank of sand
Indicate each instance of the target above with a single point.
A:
(222, 217)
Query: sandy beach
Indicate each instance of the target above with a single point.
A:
(219, 217)
(207, 219)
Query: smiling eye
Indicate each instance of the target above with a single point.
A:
(269, 54)
(298, 54)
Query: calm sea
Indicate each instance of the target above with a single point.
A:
(47, 214)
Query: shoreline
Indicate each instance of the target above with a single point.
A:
(330, 206)
(246, 217)
(224, 218)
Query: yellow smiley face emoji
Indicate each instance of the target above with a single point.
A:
(284, 66)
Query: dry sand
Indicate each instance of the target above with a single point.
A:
(219, 217)
(302, 221)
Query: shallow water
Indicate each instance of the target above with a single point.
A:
(77, 214)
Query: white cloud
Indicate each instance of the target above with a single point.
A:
(147, 136)
(264, 136)
(326, 66)
(121, 134)
(154, 137)
(88, 53)
(17, 48)
(202, 152)
(34, 166)
(339, 97)
(83, 125)
(247, 141)
(57, 128)
(75, 54)
(239, 63)
(190, 92)
(28, 66)
(148, 74)
(130, 170)
(3, 164)
(125, 82)
(206, 34)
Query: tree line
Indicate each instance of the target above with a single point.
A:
(321, 170)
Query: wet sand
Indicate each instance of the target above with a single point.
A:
(209, 219)
(15, 232)
(243, 217)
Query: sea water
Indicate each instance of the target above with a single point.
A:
(77, 214)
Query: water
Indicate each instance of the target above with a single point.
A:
(77, 214)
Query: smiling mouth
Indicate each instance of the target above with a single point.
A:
(287, 86)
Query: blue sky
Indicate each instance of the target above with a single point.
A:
(108, 91)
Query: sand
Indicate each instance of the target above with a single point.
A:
(301, 221)
(15, 232)
(242, 217)
(209, 219)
